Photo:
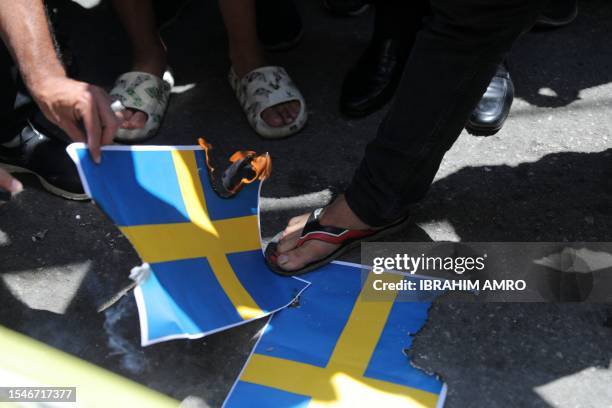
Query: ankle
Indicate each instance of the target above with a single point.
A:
(339, 214)
(151, 58)
(244, 62)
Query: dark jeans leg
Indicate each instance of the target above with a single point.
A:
(8, 93)
(451, 63)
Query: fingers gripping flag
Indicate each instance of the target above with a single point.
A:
(341, 347)
(207, 270)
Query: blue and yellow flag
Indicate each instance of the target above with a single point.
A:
(204, 252)
(342, 346)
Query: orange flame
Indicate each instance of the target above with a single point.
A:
(260, 164)
(206, 147)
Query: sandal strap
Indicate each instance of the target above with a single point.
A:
(265, 87)
(141, 91)
(313, 230)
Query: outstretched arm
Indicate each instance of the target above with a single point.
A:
(70, 104)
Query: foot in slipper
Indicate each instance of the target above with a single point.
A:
(134, 118)
(152, 60)
(142, 94)
(271, 101)
(275, 116)
(312, 240)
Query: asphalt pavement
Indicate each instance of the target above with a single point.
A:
(546, 176)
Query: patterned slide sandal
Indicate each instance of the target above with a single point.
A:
(313, 230)
(146, 93)
(265, 87)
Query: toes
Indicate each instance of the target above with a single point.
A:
(134, 120)
(294, 108)
(139, 120)
(281, 114)
(284, 111)
(293, 260)
(288, 242)
(290, 257)
(304, 255)
(292, 233)
(272, 117)
(126, 116)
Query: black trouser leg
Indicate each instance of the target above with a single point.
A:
(451, 64)
(388, 25)
(8, 93)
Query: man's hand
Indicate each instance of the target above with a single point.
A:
(8, 183)
(82, 110)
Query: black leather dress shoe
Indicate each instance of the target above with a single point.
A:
(46, 158)
(491, 112)
(371, 83)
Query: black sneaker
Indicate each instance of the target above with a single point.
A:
(46, 158)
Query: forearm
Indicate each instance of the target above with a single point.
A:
(25, 30)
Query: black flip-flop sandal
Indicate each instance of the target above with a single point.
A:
(313, 230)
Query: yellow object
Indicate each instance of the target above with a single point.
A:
(40, 365)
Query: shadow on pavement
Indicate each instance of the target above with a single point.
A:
(477, 347)
(572, 61)
(561, 197)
